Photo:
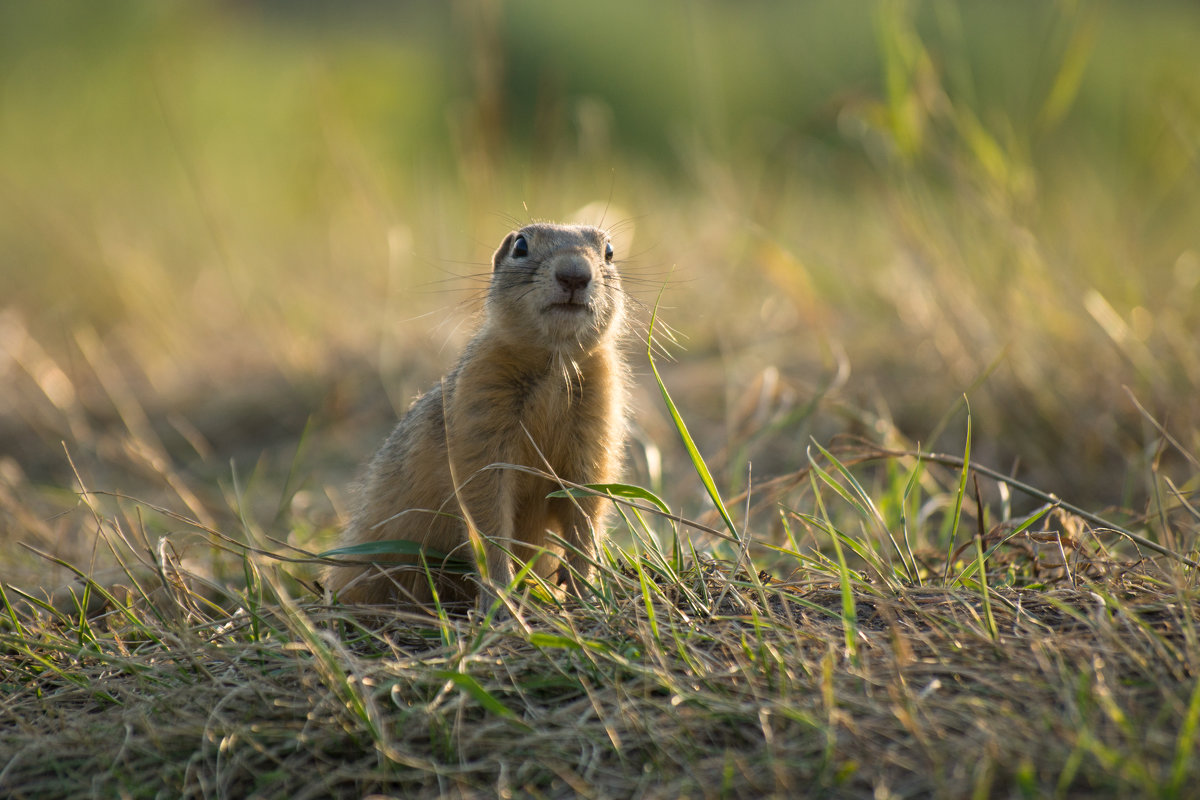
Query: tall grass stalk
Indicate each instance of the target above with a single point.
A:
(689, 444)
(849, 606)
(956, 516)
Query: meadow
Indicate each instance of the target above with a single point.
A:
(911, 503)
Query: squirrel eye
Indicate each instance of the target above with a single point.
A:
(520, 247)
(608, 252)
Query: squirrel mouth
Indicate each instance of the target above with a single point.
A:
(569, 308)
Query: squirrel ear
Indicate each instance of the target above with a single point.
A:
(502, 251)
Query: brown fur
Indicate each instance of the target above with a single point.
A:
(541, 384)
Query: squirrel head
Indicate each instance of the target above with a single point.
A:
(558, 285)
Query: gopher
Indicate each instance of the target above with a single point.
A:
(541, 384)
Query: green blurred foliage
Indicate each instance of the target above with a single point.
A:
(933, 188)
(145, 108)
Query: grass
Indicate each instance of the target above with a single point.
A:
(929, 528)
(1057, 660)
(680, 675)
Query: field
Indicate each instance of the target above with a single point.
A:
(912, 487)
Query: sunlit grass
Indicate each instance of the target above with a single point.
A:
(841, 674)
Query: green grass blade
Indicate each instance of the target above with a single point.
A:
(647, 601)
(958, 498)
(1185, 746)
(970, 569)
(543, 639)
(849, 609)
(399, 547)
(993, 631)
(477, 692)
(616, 490)
(689, 444)
(912, 484)
(869, 556)
(862, 504)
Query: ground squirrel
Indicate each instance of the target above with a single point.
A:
(541, 384)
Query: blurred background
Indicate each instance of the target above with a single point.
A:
(236, 238)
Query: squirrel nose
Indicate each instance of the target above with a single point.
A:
(573, 277)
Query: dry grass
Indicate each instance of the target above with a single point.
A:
(1044, 656)
(702, 682)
